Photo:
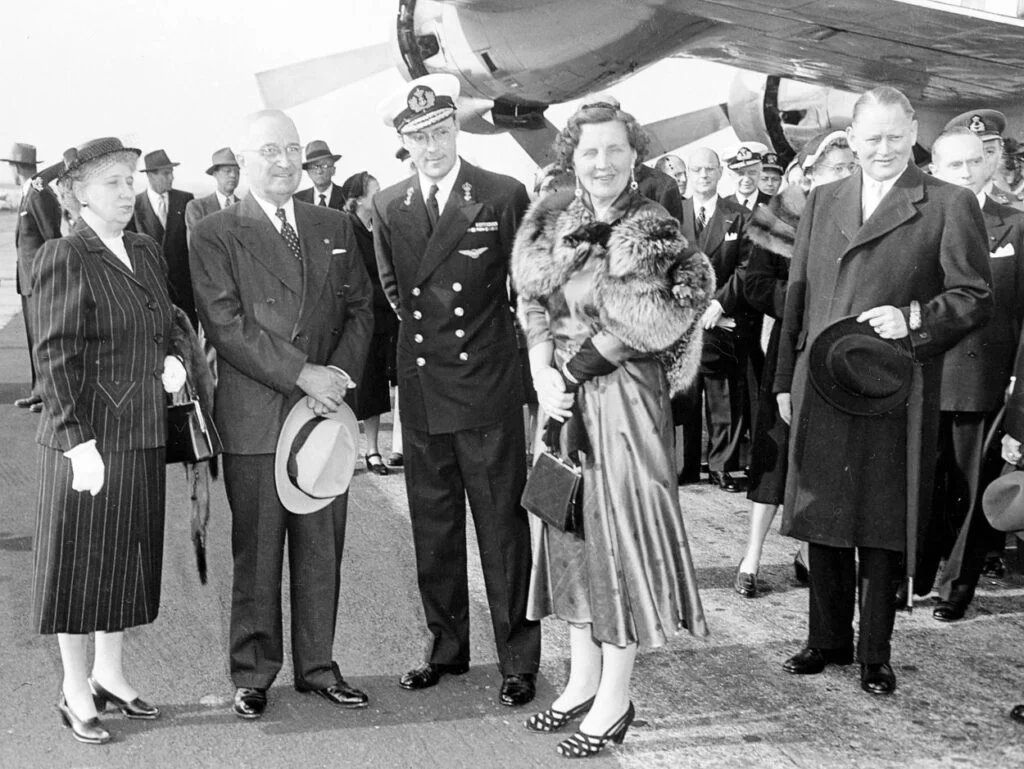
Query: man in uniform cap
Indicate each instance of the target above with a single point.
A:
(320, 167)
(744, 164)
(224, 170)
(975, 375)
(160, 213)
(38, 221)
(443, 239)
(771, 175)
(988, 125)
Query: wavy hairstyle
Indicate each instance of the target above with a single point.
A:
(592, 113)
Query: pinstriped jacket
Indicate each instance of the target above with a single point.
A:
(102, 332)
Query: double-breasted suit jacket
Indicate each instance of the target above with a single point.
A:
(102, 333)
(335, 201)
(198, 209)
(173, 240)
(760, 199)
(267, 321)
(457, 355)
(925, 242)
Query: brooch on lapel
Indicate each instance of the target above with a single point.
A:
(467, 192)
(37, 184)
(408, 196)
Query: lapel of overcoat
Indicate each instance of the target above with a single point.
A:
(898, 206)
(316, 256)
(261, 239)
(995, 225)
(458, 215)
(150, 221)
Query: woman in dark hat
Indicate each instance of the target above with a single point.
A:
(772, 229)
(372, 397)
(610, 295)
(104, 324)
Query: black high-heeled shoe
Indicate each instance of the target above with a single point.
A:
(137, 708)
(552, 720)
(90, 732)
(583, 745)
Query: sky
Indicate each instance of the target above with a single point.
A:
(179, 75)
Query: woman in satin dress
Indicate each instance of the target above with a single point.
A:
(609, 297)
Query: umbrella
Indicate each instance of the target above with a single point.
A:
(915, 423)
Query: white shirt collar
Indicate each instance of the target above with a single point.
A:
(270, 209)
(709, 207)
(115, 244)
(326, 193)
(25, 186)
(444, 187)
(885, 186)
(222, 199)
(747, 201)
(981, 197)
(154, 198)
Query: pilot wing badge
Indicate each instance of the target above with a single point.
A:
(472, 253)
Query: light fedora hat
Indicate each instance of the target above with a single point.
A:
(1003, 502)
(315, 457)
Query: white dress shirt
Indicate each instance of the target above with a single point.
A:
(154, 200)
(748, 202)
(444, 187)
(873, 191)
(709, 209)
(326, 193)
(270, 209)
(223, 199)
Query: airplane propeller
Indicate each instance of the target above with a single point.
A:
(294, 84)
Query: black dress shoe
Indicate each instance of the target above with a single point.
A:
(396, 459)
(429, 673)
(339, 693)
(995, 567)
(250, 702)
(745, 583)
(137, 708)
(810, 661)
(518, 689)
(953, 608)
(1017, 714)
(725, 481)
(877, 678)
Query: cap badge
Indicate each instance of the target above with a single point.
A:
(408, 196)
(421, 98)
(977, 125)
(771, 158)
(467, 192)
(743, 154)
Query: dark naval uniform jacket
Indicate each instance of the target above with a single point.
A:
(458, 366)
(173, 239)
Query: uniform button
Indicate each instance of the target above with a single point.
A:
(417, 314)
(459, 311)
(456, 286)
(463, 356)
(421, 361)
(972, 354)
(158, 338)
(418, 338)
(460, 333)
(416, 291)
(924, 334)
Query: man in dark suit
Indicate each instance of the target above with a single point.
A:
(443, 239)
(975, 375)
(285, 299)
(745, 164)
(906, 255)
(716, 226)
(160, 213)
(224, 170)
(38, 221)
(320, 167)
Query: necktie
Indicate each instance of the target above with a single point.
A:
(161, 210)
(229, 200)
(323, 199)
(288, 233)
(433, 213)
(702, 220)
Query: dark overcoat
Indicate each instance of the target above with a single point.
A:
(336, 201)
(976, 371)
(267, 316)
(926, 241)
(458, 365)
(173, 239)
(38, 221)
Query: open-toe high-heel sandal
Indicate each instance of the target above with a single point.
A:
(552, 720)
(583, 745)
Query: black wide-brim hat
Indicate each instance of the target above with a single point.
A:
(75, 157)
(858, 372)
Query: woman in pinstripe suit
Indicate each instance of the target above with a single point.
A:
(104, 318)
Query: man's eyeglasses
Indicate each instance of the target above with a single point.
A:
(423, 138)
(322, 167)
(274, 151)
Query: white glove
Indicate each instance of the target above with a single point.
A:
(174, 374)
(86, 467)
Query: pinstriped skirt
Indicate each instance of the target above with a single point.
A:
(98, 560)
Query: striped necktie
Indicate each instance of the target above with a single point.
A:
(289, 235)
(702, 220)
(323, 199)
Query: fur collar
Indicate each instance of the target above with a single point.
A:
(773, 227)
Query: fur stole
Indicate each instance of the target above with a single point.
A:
(773, 227)
(186, 345)
(650, 287)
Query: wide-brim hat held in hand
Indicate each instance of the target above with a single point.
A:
(315, 458)
(1003, 501)
(858, 372)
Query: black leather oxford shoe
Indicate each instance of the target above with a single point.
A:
(339, 693)
(954, 607)
(518, 689)
(429, 673)
(249, 702)
(1017, 714)
(810, 661)
(877, 678)
(726, 482)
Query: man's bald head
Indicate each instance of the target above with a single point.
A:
(705, 169)
(270, 155)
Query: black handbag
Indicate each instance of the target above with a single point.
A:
(191, 434)
(554, 490)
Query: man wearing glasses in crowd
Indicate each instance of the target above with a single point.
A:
(320, 167)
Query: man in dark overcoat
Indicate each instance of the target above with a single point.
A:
(443, 240)
(975, 375)
(906, 254)
(224, 170)
(285, 299)
(320, 167)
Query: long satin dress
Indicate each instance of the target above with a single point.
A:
(631, 577)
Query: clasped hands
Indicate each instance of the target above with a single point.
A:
(715, 317)
(551, 394)
(325, 387)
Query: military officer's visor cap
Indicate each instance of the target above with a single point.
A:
(422, 103)
(986, 124)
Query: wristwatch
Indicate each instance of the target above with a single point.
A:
(915, 315)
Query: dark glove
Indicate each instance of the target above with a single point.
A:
(585, 365)
(596, 233)
(576, 438)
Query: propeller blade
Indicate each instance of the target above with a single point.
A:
(304, 81)
(539, 143)
(674, 132)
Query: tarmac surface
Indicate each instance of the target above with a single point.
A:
(720, 702)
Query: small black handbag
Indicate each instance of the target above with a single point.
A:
(554, 489)
(191, 434)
